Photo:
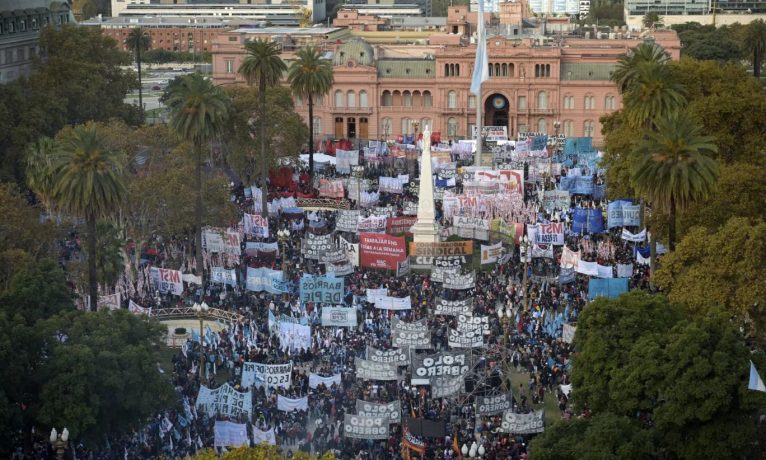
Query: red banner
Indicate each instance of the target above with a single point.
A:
(381, 251)
(396, 225)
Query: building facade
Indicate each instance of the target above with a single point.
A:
(383, 91)
(20, 25)
(675, 12)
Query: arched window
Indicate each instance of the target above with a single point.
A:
(590, 102)
(609, 103)
(350, 99)
(542, 100)
(362, 98)
(406, 126)
(317, 126)
(386, 99)
(457, 70)
(511, 70)
(427, 101)
(452, 100)
(568, 128)
(446, 70)
(588, 128)
(451, 127)
(407, 97)
(547, 70)
(504, 69)
(386, 127)
(491, 69)
(397, 98)
(542, 125)
(497, 70)
(338, 98)
(568, 102)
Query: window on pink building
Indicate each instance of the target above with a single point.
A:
(568, 128)
(427, 100)
(588, 128)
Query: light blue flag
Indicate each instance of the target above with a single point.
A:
(480, 69)
(195, 336)
(755, 380)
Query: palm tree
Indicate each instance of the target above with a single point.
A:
(624, 74)
(198, 111)
(653, 93)
(310, 76)
(262, 64)
(89, 182)
(137, 41)
(675, 168)
(754, 42)
(39, 171)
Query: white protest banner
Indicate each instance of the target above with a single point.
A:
(315, 380)
(355, 426)
(232, 243)
(315, 245)
(453, 307)
(414, 335)
(344, 159)
(332, 256)
(587, 268)
(368, 199)
(374, 371)
(490, 405)
(522, 423)
(605, 271)
(223, 276)
(556, 199)
(166, 280)
(137, 309)
(228, 434)
(352, 250)
(569, 258)
(469, 323)
(212, 240)
(290, 405)
(440, 273)
(624, 270)
(331, 188)
(109, 301)
(446, 363)
(397, 356)
(339, 269)
(295, 337)
(490, 254)
(471, 227)
(410, 209)
(460, 281)
(391, 411)
(546, 233)
(403, 268)
(339, 317)
(391, 303)
(347, 221)
(634, 237)
(321, 288)
(375, 293)
(224, 401)
(391, 185)
(255, 225)
(189, 278)
(568, 332)
(269, 375)
(468, 339)
(372, 224)
(443, 386)
(264, 437)
(265, 279)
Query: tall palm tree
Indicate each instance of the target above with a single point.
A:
(653, 93)
(262, 64)
(310, 76)
(90, 183)
(754, 42)
(138, 40)
(624, 74)
(675, 168)
(198, 111)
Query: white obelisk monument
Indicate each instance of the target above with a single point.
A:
(425, 229)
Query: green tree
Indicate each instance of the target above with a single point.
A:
(754, 43)
(682, 377)
(138, 40)
(104, 378)
(625, 74)
(260, 452)
(39, 172)
(723, 267)
(89, 183)
(198, 112)
(262, 64)
(651, 19)
(675, 167)
(655, 93)
(310, 76)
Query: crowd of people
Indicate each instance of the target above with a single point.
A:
(524, 351)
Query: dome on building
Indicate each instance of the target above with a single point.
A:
(357, 49)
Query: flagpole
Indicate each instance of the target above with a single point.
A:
(479, 100)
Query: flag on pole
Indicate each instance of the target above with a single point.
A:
(480, 69)
(756, 383)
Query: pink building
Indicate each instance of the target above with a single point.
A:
(382, 90)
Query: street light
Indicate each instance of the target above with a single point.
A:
(59, 443)
(283, 236)
(201, 310)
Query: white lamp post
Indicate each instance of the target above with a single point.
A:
(201, 310)
(59, 443)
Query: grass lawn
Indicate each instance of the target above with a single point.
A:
(550, 405)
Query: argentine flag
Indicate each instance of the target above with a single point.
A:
(755, 380)
(480, 69)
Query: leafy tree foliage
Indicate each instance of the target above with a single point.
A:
(723, 267)
(680, 378)
(261, 452)
(722, 44)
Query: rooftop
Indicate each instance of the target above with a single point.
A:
(288, 30)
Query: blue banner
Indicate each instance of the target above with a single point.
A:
(265, 279)
(539, 143)
(324, 289)
(588, 220)
(578, 145)
(622, 213)
(607, 287)
(581, 185)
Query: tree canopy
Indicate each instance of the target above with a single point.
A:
(260, 452)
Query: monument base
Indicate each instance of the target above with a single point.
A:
(424, 232)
